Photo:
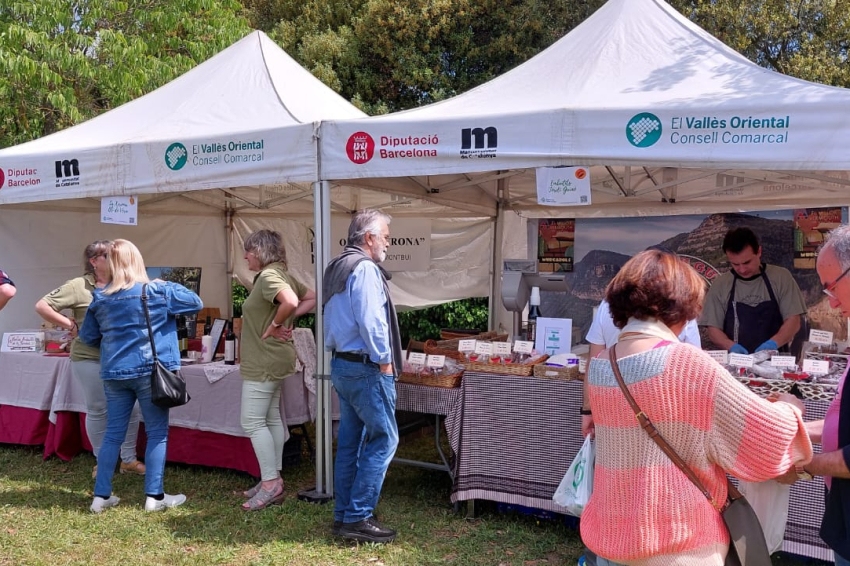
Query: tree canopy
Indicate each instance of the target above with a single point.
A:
(64, 61)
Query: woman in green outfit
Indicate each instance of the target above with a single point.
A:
(267, 357)
(76, 295)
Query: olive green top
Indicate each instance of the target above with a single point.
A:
(75, 294)
(269, 359)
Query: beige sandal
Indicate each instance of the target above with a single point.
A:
(263, 498)
(252, 492)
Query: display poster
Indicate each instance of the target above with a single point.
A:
(410, 243)
(555, 244)
(189, 277)
(563, 186)
(119, 210)
(811, 225)
(554, 336)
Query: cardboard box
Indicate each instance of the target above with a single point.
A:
(23, 341)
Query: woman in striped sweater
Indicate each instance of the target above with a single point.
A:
(644, 511)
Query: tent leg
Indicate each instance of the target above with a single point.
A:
(496, 267)
(324, 437)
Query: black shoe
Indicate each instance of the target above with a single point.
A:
(335, 529)
(367, 530)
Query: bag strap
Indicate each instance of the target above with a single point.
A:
(653, 433)
(148, 320)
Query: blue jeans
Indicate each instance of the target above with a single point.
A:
(121, 395)
(841, 561)
(367, 438)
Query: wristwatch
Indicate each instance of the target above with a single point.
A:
(276, 325)
(802, 474)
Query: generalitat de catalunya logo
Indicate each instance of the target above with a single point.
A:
(643, 130)
(175, 156)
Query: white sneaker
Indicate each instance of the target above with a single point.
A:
(152, 504)
(99, 503)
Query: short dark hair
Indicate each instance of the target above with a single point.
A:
(267, 245)
(737, 239)
(655, 284)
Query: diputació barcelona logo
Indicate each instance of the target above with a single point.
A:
(643, 130)
(2, 178)
(175, 156)
(360, 147)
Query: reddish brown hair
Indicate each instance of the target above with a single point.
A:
(655, 284)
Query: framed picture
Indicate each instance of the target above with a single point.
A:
(216, 331)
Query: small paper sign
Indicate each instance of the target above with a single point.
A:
(582, 365)
(502, 348)
(823, 337)
(484, 348)
(436, 361)
(740, 360)
(466, 346)
(720, 356)
(417, 358)
(119, 210)
(23, 342)
(783, 361)
(524, 346)
(816, 367)
(403, 355)
(557, 186)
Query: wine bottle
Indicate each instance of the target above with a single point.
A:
(533, 314)
(230, 346)
(208, 326)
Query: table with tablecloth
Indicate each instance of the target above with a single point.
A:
(42, 404)
(514, 438)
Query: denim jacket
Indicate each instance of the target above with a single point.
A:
(116, 323)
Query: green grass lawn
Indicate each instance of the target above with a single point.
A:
(44, 519)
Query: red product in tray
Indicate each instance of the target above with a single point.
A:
(796, 376)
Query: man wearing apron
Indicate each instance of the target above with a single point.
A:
(754, 306)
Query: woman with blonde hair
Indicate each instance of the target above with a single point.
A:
(76, 295)
(267, 357)
(644, 510)
(116, 323)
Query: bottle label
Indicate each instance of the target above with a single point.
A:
(229, 351)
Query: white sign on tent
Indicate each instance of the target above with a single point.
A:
(119, 210)
(558, 186)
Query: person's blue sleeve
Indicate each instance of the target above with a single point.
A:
(89, 333)
(369, 304)
(180, 300)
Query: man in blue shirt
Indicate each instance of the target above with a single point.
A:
(361, 330)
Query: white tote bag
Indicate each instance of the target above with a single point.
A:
(575, 488)
(769, 499)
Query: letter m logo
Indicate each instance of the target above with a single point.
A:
(67, 168)
(479, 134)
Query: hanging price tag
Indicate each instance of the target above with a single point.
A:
(417, 358)
(823, 337)
(502, 348)
(740, 360)
(466, 346)
(435, 361)
(484, 348)
(524, 346)
(720, 356)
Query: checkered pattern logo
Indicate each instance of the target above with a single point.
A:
(643, 130)
(175, 156)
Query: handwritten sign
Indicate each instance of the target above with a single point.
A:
(466, 346)
(823, 337)
(23, 342)
(816, 367)
(436, 361)
(119, 210)
(416, 358)
(502, 348)
(523, 346)
(484, 348)
(740, 360)
(720, 356)
(557, 186)
(783, 361)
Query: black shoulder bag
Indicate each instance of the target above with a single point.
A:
(748, 546)
(168, 388)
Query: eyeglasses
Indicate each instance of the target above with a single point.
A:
(827, 289)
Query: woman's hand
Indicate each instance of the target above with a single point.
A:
(281, 333)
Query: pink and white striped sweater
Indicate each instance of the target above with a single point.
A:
(644, 511)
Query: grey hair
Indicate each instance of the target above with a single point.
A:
(267, 245)
(366, 221)
(839, 241)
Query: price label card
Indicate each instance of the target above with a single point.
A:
(502, 348)
(466, 346)
(403, 355)
(484, 348)
(523, 346)
(740, 360)
(435, 361)
(582, 365)
(816, 367)
(720, 356)
(783, 361)
(417, 358)
(820, 337)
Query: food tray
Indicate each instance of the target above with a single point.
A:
(764, 387)
(818, 391)
(567, 373)
(448, 381)
(524, 369)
